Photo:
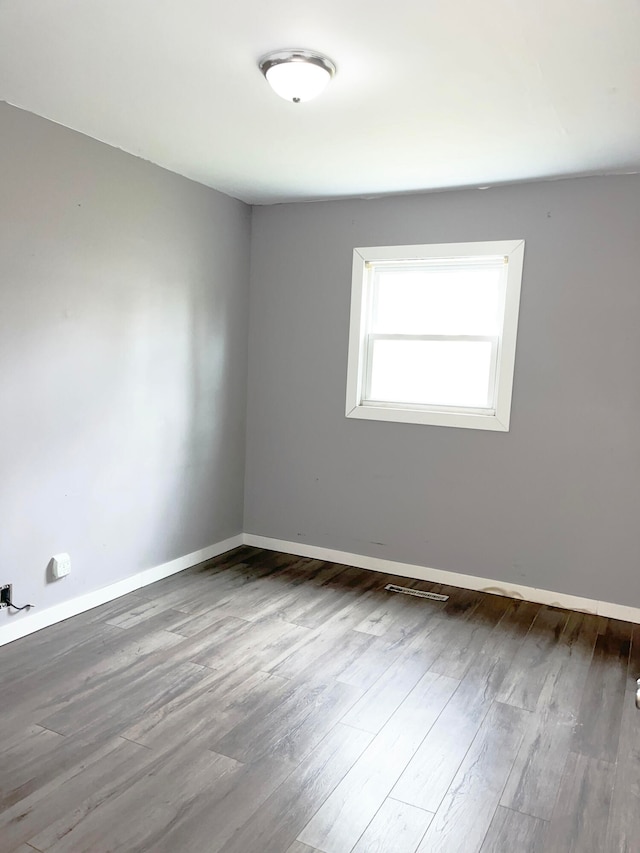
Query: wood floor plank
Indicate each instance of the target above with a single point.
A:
(316, 644)
(347, 812)
(289, 593)
(207, 589)
(211, 707)
(580, 819)
(204, 713)
(429, 774)
(92, 713)
(352, 594)
(529, 671)
(462, 602)
(509, 634)
(277, 590)
(377, 705)
(570, 664)
(214, 586)
(513, 832)
(624, 819)
(267, 639)
(396, 828)
(221, 814)
(319, 581)
(275, 825)
(107, 611)
(537, 772)
(374, 660)
(314, 660)
(397, 617)
(190, 625)
(97, 657)
(206, 645)
(36, 652)
(597, 729)
(140, 612)
(411, 620)
(328, 602)
(464, 816)
(26, 760)
(378, 622)
(140, 815)
(292, 728)
(99, 769)
(458, 655)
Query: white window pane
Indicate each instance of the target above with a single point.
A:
(462, 301)
(438, 373)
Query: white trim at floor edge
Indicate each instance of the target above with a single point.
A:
(28, 623)
(423, 573)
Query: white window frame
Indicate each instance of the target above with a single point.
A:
(503, 345)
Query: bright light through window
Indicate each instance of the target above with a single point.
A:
(433, 333)
(441, 373)
(438, 301)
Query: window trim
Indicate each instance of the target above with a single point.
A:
(359, 355)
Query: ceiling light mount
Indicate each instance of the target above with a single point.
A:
(297, 74)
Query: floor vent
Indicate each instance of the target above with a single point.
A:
(406, 590)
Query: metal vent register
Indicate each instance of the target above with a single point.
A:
(406, 590)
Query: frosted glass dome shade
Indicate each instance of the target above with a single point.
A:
(297, 75)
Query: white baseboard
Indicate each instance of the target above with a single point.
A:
(510, 590)
(29, 622)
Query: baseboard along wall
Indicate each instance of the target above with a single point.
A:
(28, 623)
(22, 624)
(406, 570)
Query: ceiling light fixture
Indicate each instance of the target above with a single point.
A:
(297, 75)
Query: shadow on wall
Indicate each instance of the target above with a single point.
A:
(207, 445)
(126, 420)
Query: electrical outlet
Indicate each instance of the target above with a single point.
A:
(5, 595)
(60, 565)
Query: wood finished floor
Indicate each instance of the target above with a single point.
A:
(263, 703)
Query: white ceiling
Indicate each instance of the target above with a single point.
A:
(428, 94)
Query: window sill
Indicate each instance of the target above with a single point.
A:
(461, 420)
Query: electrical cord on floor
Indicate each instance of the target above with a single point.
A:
(15, 606)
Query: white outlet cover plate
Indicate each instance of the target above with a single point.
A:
(61, 565)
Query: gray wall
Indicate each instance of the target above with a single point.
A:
(553, 503)
(123, 331)
(123, 336)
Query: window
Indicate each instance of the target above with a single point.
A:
(433, 333)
